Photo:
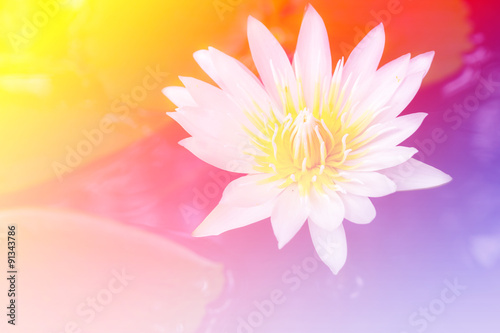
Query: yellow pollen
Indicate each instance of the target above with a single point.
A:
(311, 148)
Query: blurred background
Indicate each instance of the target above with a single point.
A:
(104, 200)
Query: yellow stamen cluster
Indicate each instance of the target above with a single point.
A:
(310, 147)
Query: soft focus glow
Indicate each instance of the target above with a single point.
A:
(85, 70)
(67, 63)
(110, 277)
(322, 144)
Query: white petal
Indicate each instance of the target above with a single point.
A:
(179, 96)
(200, 122)
(227, 217)
(358, 209)
(206, 95)
(402, 97)
(395, 131)
(327, 210)
(213, 98)
(331, 246)
(289, 214)
(203, 59)
(421, 63)
(241, 83)
(365, 58)
(414, 175)
(418, 68)
(368, 184)
(312, 56)
(182, 120)
(384, 83)
(383, 159)
(269, 56)
(249, 191)
(225, 157)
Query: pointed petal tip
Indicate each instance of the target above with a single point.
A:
(446, 179)
(255, 28)
(377, 32)
(331, 246)
(165, 91)
(450, 178)
(379, 28)
(178, 96)
(252, 20)
(416, 175)
(359, 209)
(370, 220)
(430, 54)
(186, 80)
(204, 231)
(200, 234)
(199, 53)
(427, 57)
(310, 8)
(335, 270)
(169, 91)
(421, 63)
(421, 73)
(184, 142)
(197, 232)
(311, 13)
(283, 239)
(420, 116)
(336, 267)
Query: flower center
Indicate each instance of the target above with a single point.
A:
(302, 149)
(311, 148)
(308, 141)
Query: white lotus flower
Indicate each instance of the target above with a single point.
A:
(314, 146)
